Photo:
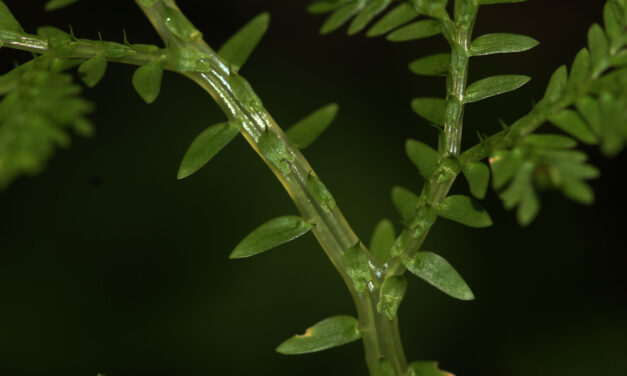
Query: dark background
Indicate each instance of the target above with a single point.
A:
(109, 264)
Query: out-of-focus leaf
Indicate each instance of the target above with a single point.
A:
(398, 16)
(431, 109)
(478, 176)
(416, 30)
(433, 65)
(464, 210)
(405, 202)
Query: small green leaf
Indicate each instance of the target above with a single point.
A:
(53, 33)
(491, 86)
(424, 157)
(383, 367)
(501, 43)
(431, 109)
(577, 190)
(92, 70)
(436, 271)
(612, 21)
(270, 235)
(332, 332)
(405, 202)
(368, 14)
(274, 150)
(599, 47)
(478, 176)
(357, 267)
(570, 122)
(382, 240)
(238, 48)
(306, 131)
(580, 70)
(504, 165)
(179, 25)
(433, 65)
(391, 295)
(464, 210)
(320, 193)
(589, 109)
(147, 80)
(557, 85)
(325, 6)
(528, 209)
(341, 16)
(428, 368)
(550, 141)
(416, 30)
(7, 21)
(58, 4)
(521, 184)
(205, 146)
(398, 16)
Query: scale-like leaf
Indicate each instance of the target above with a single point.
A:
(357, 267)
(429, 368)
(570, 122)
(405, 202)
(205, 146)
(306, 131)
(270, 235)
(368, 14)
(491, 86)
(398, 16)
(391, 295)
(416, 30)
(382, 240)
(58, 4)
(464, 210)
(242, 44)
(147, 80)
(501, 43)
(274, 150)
(433, 65)
(423, 156)
(332, 332)
(478, 176)
(320, 193)
(341, 16)
(436, 271)
(431, 109)
(92, 70)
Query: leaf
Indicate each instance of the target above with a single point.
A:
(433, 65)
(580, 70)
(491, 86)
(405, 202)
(557, 85)
(92, 70)
(501, 43)
(270, 235)
(428, 368)
(274, 150)
(341, 16)
(570, 122)
(325, 6)
(332, 332)
(306, 131)
(368, 14)
(205, 146)
(391, 295)
(7, 21)
(320, 193)
(424, 157)
(241, 45)
(550, 141)
(504, 165)
(415, 30)
(612, 21)
(58, 4)
(436, 271)
(431, 109)
(599, 47)
(578, 191)
(464, 210)
(589, 109)
(478, 176)
(357, 267)
(398, 16)
(147, 80)
(382, 240)
(528, 209)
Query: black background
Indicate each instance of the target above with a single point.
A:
(109, 264)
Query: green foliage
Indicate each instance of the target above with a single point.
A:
(58, 4)
(405, 202)
(436, 271)
(383, 368)
(427, 368)
(273, 149)
(7, 20)
(431, 109)
(147, 80)
(307, 130)
(270, 235)
(357, 267)
(239, 47)
(478, 176)
(392, 292)
(332, 332)
(501, 43)
(464, 210)
(423, 156)
(205, 146)
(382, 240)
(491, 86)
(92, 70)
(415, 30)
(41, 105)
(432, 65)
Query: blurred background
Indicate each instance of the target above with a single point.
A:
(109, 264)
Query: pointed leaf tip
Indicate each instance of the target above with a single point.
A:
(307, 130)
(332, 332)
(270, 235)
(241, 45)
(436, 271)
(205, 146)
